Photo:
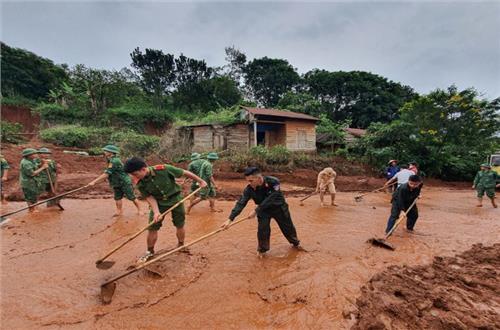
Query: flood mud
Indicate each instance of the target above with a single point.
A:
(49, 278)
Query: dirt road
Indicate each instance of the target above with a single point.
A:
(49, 279)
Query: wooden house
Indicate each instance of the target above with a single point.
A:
(258, 126)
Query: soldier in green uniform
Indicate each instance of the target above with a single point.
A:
(4, 172)
(158, 186)
(45, 183)
(484, 183)
(266, 193)
(119, 181)
(206, 173)
(29, 172)
(194, 167)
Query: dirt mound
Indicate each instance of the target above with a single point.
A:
(461, 292)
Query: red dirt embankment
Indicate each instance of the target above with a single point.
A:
(78, 170)
(461, 292)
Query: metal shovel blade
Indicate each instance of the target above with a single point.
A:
(380, 242)
(107, 292)
(104, 264)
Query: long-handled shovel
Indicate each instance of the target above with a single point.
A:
(108, 287)
(382, 242)
(303, 199)
(106, 265)
(359, 198)
(53, 189)
(44, 201)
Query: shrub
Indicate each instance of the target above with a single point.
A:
(76, 136)
(278, 155)
(10, 132)
(136, 115)
(57, 114)
(19, 101)
(132, 143)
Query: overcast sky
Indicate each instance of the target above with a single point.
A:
(425, 45)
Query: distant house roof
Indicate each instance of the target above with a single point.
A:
(279, 113)
(357, 132)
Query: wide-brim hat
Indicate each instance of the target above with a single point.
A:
(392, 160)
(486, 165)
(111, 148)
(212, 156)
(44, 151)
(28, 152)
(195, 156)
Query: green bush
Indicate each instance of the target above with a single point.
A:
(76, 136)
(136, 115)
(57, 114)
(278, 155)
(18, 101)
(10, 132)
(132, 143)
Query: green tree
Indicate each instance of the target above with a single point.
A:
(268, 79)
(449, 132)
(28, 75)
(236, 60)
(360, 96)
(300, 102)
(156, 71)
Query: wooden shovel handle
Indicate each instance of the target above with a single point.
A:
(163, 255)
(162, 216)
(401, 218)
(44, 201)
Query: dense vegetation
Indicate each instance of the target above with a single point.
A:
(447, 131)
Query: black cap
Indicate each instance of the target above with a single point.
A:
(251, 171)
(134, 164)
(415, 178)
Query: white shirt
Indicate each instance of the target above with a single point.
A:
(403, 176)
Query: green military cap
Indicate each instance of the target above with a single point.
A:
(195, 156)
(111, 148)
(486, 165)
(29, 151)
(212, 156)
(44, 151)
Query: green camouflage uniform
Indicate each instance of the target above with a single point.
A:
(30, 184)
(485, 182)
(160, 183)
(43, 178)
(206, 171)
(195, 167)
(4, 165)
(119, 180)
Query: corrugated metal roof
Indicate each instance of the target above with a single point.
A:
(279, 113)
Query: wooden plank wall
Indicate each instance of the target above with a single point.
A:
(294, 129)
(203, 139)
(237, 137)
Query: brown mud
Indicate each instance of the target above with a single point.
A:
(49, 279)
(461, 292)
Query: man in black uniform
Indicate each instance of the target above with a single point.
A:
(265, 192)
(402, 198)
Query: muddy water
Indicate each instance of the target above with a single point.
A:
(49, 279)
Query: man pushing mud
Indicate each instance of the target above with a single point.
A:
(265, 192)
(157, 185)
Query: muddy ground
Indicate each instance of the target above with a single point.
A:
(78, 170)
(49, 279)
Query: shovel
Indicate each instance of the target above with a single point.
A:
(44, 201)
(359, 198)
(382, 242)
(53, 189)
(108, 264)
(108, 287)
(303, 199)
